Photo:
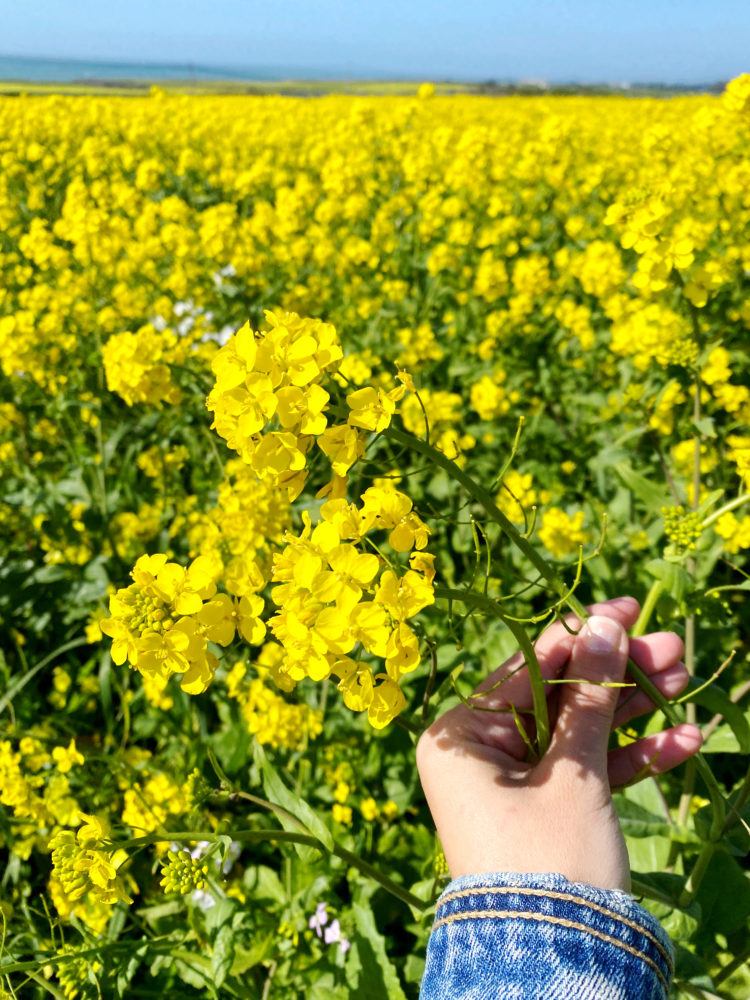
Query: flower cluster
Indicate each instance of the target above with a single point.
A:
(272, 719)
(239, 531)
(328, 932)
(83, 865)
(275, 374)
(162, 623)
(182, 873)
(560, 533)
(682, 528)
(332, 598)
(36, 786)
(275, 377)
(578, 262)
(654, 333)
(735, 531)
(148, 804)
(136, 366)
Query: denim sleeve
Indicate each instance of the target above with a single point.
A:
(506, 935)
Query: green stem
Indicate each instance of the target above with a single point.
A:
(696, 875)
(483, 497)
(404, 722)
(538, 693)
(717, 797)
(738, 803)
(557, 584)
(639, 888)
(61, 957)
(725, 509)
(726, 971)
(657, 588)
(688, 787)
(283, 836)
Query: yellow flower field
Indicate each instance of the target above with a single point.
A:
(309, 409)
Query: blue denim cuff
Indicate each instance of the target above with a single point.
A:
(511, 935)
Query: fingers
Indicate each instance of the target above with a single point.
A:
(653, 754)
(658, 655)
(509, 685)
(586, 708)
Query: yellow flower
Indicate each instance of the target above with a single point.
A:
(66, 758)
(401, 651)
(341, 792)
(350, 571)
(561, 534)
(387, 702)
(355, 683)
(488, 398)
(735, 532)
(83, 866)
(343, 445)
(371, 409)
(406, 596)
(342, 814)
(390, 810)
(301, 410)
(369, 809)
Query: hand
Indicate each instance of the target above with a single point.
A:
(496, 812)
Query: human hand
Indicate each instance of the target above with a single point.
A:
(496, 812)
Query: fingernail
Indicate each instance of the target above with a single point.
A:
(602, 634)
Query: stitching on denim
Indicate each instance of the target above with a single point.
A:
(568, 897)
(545, 918)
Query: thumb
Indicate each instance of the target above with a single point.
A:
(584, 721)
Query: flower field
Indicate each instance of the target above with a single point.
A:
(311, 412)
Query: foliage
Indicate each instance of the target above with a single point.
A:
(311, 412)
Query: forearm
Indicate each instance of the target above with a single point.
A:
(539, 935)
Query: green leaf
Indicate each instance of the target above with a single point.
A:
(324, 988)
(709, 501)
(680, 925)
(262, 882)
(225, 846)
(724, 895)
(414, 969)
(127, 971)
(259, 950)
(193, 969)
(153, 914)
(219, 915)
(675, 578)
(716, 700)
(369, 971)
(721, 740)
(705, 426)
(295, 814)
(232, 747)
(222, 954)
(663, 886)
(647, 854)
(636, 821)
(652, 495)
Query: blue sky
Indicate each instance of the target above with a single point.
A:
(588, 40)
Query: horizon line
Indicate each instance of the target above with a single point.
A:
(239, 73)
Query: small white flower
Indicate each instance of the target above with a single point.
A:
(319, 919)
(233, 852)
(202, 899)
(200, 849)
(333, 935)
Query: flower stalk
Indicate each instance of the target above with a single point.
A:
(559, 587)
